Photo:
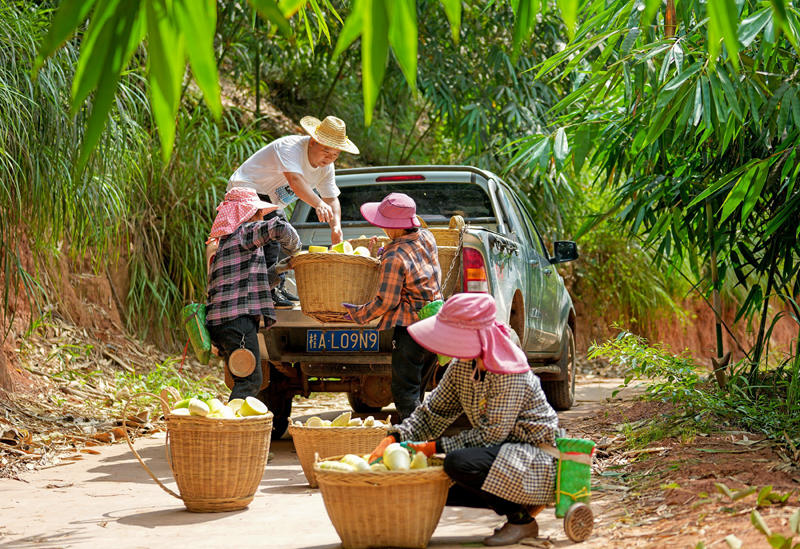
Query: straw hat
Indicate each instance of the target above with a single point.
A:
(331, 132)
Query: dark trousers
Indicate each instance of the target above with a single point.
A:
(469, 467)
(240, 332)
(272, 249)
(408, 361)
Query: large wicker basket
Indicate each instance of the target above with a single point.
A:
(217, 463)
(445, 237)
(326, 280)
(384, 509)
(446, 263)
(356, 242)
(330, 441)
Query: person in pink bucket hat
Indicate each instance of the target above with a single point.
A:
(409, 279)
(239, 280)
(498, 463)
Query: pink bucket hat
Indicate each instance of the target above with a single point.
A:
(239, 205)
(466, 327)
(396, 211)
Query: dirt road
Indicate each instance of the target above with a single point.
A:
(108, 500)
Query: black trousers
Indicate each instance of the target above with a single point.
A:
(408, 361)
(469, 467)
(272, 249)
(240, 332)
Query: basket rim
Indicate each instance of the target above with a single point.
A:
(431, 469)
(327, 428)
(268, 415)
(320, 257)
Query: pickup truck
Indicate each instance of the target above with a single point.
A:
(502, 253)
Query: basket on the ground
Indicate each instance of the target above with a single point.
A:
(328, 441)
(446, 263)
(384, 509)
(326, 280)
(217, 463)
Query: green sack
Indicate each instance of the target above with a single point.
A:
(429, 310)
(573, 478)
(194, 318)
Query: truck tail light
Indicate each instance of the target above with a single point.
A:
(414, 177)
(475, 279)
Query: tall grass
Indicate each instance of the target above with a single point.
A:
(127, 205)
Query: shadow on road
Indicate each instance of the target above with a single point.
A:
(57, 539)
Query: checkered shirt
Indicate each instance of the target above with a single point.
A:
(507, 409)
(238, 281)
(410, 278)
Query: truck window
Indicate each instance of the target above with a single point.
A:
(436, 202)
(535, 239)
(513, 217)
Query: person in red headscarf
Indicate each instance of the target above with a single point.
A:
(239, 280)
(502, 462)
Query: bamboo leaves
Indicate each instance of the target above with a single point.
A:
(374, 52)
(101, 64)
(166, 64)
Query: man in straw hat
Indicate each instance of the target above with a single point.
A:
(500, 463)
(239, 279)
(294, 167)
(409, 279)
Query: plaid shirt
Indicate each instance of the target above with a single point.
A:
(238, 281)
(410, 278)
(507, 409)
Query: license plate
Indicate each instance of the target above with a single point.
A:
(341, 340)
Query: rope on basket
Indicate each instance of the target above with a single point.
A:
(456, 257)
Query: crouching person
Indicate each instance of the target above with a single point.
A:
(497, 464)
(239, 280)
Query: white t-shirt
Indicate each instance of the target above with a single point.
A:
(263, 171)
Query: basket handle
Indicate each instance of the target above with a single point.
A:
(165, 407)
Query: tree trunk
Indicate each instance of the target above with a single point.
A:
(5, 377)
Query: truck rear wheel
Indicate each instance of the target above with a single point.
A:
(359, 405)
(374, 392)
(561, 392)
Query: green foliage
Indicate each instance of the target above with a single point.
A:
(163, 375)
(128, 204)
(759, 406)
(699, 146)
(671, 378)
(618, 274)
(778, 541)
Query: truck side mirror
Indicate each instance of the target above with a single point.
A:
(564, 251)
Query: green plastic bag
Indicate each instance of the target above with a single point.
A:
(429, 310)
(194, 318)
(573, 478)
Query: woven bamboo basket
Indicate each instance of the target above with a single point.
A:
(451, 235)
(384, 509)
(331, 441)
(326, 280)
(446, 263)
(356, 242)
(445, 237)
(217, 463)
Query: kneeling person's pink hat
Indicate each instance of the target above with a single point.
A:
(466, 327)
(239, 205)
(396, 211)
